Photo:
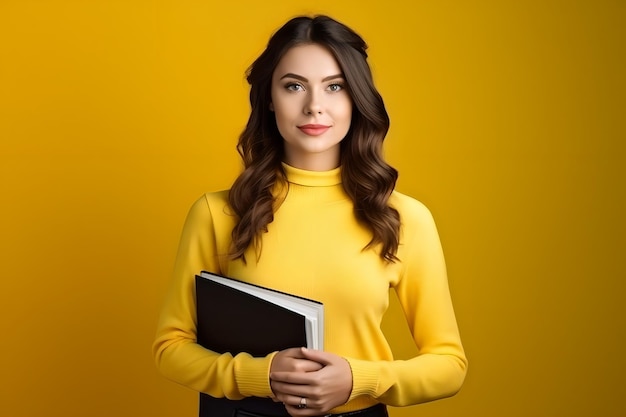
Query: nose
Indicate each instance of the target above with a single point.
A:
(313, 104)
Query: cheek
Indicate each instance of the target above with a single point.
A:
(346, 111)
(283, 113)
(284, 119)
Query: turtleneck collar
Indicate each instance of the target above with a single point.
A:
(312, 178)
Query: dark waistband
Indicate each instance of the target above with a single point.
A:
(265, 407)
(379, 410)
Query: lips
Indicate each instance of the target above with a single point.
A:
(313, 130)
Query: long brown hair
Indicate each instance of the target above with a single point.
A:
(366, 177)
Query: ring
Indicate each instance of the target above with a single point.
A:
(302, 403)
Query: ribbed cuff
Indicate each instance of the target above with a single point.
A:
(253, 375)
(365, 378)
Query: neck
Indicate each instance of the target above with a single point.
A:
(319, 162)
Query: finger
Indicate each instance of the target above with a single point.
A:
(282, 364)
(293, 353)
(306, 365)
(295, 409)
(296, 401)
(293, 378)
(282, 389)
(319, 356)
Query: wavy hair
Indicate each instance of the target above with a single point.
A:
(367, 179)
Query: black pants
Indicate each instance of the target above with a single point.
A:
(265, 407)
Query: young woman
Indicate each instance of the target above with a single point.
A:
(314, 213)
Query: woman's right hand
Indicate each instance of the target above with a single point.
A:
(291, 360)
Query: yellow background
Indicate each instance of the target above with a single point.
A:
(507, 121)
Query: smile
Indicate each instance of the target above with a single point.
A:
(313, 130)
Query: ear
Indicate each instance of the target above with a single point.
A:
(271, 106)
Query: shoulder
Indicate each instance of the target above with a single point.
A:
(416, 219)
(210, 206)
(216, 199)
(410, 209)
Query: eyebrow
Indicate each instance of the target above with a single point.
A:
(303, 79)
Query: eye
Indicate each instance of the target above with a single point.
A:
(335, 87)
(294, 87)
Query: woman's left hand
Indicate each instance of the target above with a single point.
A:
(320, 390)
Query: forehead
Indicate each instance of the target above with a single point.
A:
(310, 61)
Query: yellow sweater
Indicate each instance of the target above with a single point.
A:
(314, 248)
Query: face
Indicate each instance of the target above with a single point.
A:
(312, 106)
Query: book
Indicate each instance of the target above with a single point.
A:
(236, 316)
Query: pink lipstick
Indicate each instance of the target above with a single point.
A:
(313, 130)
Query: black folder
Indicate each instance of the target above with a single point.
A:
(234, 321)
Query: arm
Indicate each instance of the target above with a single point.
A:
(440, 367)
(177, 355)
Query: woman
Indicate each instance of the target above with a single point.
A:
(314, 213)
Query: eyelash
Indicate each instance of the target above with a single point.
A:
(334, 87)
(339, 85)
(293, 86)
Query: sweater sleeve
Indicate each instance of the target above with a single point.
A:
(177, 355)
(439, 369)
